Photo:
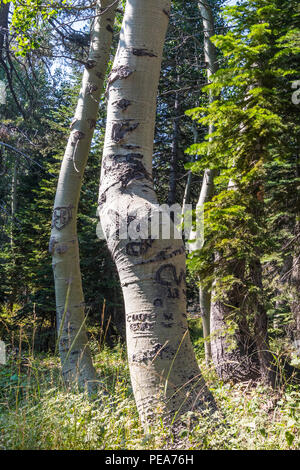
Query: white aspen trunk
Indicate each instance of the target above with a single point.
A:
(4, 10)
(174, 153)
(73, 343)
(207, 188)
(187, 189)
(164, 372)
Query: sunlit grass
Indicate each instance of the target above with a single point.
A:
(38, 412)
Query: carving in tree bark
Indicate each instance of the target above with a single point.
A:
(73, 344)
(164, 372)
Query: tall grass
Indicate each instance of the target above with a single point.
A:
(37, 411)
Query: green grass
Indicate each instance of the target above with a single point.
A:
(38, 412)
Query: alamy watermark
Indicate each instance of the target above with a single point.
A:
(2, 353)
(296, 94)
(2, 92)
(154, 222)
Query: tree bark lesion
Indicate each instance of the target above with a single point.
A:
(120, 129)
(142, 52)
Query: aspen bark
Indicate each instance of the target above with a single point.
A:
(164, 372)
(4, 10)
(73, 343)
(207, 187)
(174, 154)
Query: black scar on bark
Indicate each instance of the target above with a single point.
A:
(119, 73)
(92, 123)
(99, 75)
(131, 171)
(90, 64)
(130, 146)
(128, 156)
(143, 52)
(52, 243)
(109, 28)
(91, 88)
(120, 129)
(102, 199)
(61, 249)
(167, 13)
(122, 104)
(124, 171)
(77, 135)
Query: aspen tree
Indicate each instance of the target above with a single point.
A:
(164, 372)
(72, 338)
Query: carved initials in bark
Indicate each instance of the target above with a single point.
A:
(61, 217)
(167, 274)
(173, 293)
(139, 248)
(142, 326)
(158, 303)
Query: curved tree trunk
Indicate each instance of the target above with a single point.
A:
(73, 344)
(164, 372)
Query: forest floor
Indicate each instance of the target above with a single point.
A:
(38, 412)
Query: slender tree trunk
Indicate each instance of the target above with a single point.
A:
(73, 343)
(164, 372)
(174, 154)
(295, 274)
(14, 185)
(4, 10)
(295, 289)
(187, 189)
(265, 357)
(232, 345)
(207, 188)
